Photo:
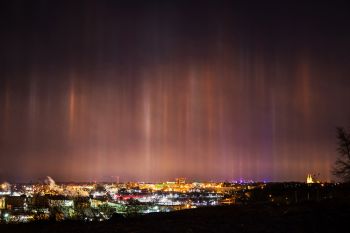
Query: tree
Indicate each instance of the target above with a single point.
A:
(342, 164)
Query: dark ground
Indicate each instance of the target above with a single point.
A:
(329, 216)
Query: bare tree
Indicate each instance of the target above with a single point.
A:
(342, 164)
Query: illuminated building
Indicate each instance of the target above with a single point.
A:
(60, 202)
(95, 203)
(180, 180)
(309, 179)
(2, 203)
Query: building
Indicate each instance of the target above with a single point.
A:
(60, 201)
(180, 180)
(309, 179)
(15, 202)
(2, 203)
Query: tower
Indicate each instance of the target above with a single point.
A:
(309, 179)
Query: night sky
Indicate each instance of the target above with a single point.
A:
(153, 90)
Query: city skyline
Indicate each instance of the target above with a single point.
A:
(153, 90)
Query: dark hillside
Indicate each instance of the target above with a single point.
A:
(328, 216)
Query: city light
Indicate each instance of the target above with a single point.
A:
(98, 201)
